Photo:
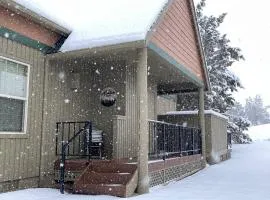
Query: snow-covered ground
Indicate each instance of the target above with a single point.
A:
(244, 177)
(261, 132)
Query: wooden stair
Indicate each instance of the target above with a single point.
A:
(101, 177)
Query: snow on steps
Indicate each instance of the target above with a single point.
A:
(104, 178)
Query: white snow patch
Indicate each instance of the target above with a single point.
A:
(261, 132)
(99, 23)
(195, 112)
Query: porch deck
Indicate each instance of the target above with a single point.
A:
(174, 152)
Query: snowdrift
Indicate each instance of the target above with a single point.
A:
(261, 132)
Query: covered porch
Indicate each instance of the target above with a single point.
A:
(130, 130)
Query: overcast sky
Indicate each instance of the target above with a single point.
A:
(248, 26)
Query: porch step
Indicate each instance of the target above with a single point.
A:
(103, 177)
(72, 165)
(103, 189)
(73, 169)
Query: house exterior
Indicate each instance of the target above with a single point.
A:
(46, 78)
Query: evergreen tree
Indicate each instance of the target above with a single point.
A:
(220, 56)
(256, 112)
(237, 110)
(238, 123)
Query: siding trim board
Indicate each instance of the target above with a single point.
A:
(12, 35)
(183, 69)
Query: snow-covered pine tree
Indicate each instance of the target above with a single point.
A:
(220, 56)
(256, 112)
(238, 123)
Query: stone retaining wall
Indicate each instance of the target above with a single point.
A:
(161, 171)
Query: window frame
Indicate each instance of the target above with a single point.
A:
(25, 99)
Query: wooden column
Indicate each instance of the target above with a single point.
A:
(202, 121)
(141, 85)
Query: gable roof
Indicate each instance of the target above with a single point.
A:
(107, 22)
(99, 23)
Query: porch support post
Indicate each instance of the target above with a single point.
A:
(141, 85)
(202, 122)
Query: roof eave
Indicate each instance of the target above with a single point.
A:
(12, 5)
(99, 50)
(202, 55)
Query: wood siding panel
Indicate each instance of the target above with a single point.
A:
(165, 104)
(130, 143)
(19, 155)
(84, 104)
(26, 27)
(176, 35)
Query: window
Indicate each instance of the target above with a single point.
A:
(13, 95)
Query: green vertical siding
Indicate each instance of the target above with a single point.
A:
(20, 155)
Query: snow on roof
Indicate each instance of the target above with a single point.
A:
(195, 112)
(98, 23)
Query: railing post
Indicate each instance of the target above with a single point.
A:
(193, 144)
(62, 169)
(89, 138)
(56, 139)
(180, 139)
(164, 142)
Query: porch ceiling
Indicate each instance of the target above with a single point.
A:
(169, 79)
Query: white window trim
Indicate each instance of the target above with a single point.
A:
(25, 116)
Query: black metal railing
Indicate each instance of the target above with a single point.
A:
(72, 133)
(75, 139)
(168, 140)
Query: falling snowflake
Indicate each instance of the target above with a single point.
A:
(6, 35)
(97, 72)
(66, 100)
(61, 75)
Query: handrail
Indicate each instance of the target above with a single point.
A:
(88, 128)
